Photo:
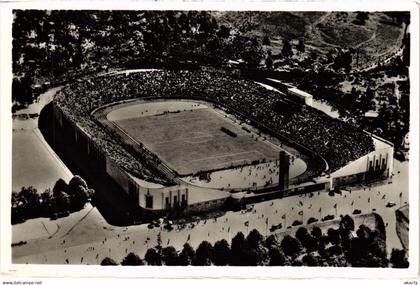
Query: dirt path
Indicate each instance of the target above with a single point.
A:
(313, 31)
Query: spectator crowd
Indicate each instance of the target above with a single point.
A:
(337, 142)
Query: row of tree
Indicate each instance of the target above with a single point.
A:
(62, 200)
(338, 247)
(286, 51)
(48, 44)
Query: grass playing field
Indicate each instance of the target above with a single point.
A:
(191, 141)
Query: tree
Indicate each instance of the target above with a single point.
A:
(310, 260)
(344, 60)
(333, 236)
(345, 230)
(399, 258)
(347, 223)
(214, 23)
(239, 250)
(287, 49)
(257, 252)
(370, 94)
(269, 60)
(26, 204)
(257, 256)
(301, 234)
(358, 251)
(291, 246)
(377, 247)
(203, 255)
(152, 257)
(301, 46)
(60, 186)
(266, 41)
(271, 241)
(277, 257)
(213, 49)
(62, 201)
(46, 202)
(187, 255)
(108, 261)
(76, 181)
(254, 238)
(316, 232)
(334, 250)
(252, 53)
(368, 249)
(31, 197)
(132, 259)
(361, 18)
(21, 90)
(79, 197)
(221, 253)
(364, 232)
(296, 263)
(79, 192)
(223, 32)
(159, 242)
(170, 256)
(305, 238)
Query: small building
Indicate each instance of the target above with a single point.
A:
(300, 96)
(371, 115)
(375, 165)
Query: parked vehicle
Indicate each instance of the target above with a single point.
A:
(312, 220)
(328, 217)
(276, 227)
(296, 223)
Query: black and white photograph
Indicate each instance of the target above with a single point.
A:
(211, 137)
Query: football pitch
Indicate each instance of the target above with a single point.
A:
(194, 140)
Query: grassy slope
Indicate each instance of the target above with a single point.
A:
(290, 25)
(321, 31)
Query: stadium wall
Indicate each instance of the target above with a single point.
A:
(157, 202)
(376, 165)
(373, 166)
(84, 143)
(276, 192)
(205, 206)
(314, 161)
(152, 202)
(403, 225)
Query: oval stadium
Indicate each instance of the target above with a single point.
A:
(190, 141)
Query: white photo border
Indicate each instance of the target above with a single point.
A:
(9, 269)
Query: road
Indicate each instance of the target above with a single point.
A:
(34, 163)
(93, 239)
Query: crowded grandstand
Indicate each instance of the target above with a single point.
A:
(337, 142)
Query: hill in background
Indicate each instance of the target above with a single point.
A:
(373, 35)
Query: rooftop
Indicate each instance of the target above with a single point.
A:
(300, 92)
(371, 114)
